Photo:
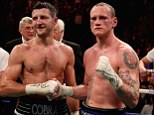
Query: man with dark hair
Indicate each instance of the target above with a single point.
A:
(38, 61)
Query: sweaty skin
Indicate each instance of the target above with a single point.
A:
(101, 94)
(97, 90)
(39, 60)
(35, 61)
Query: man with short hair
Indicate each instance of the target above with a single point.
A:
(111, 79)
(26, 31)
(38, 62)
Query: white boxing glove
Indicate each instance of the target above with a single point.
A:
(104, 68)
(41, 88)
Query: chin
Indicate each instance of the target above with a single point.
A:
(98, 34)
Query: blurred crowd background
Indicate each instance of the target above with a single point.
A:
(135, 26)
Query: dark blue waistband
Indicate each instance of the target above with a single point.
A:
(87, 110)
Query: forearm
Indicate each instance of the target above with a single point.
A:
(78, 92)
(11, 89)
(73, 104)
(129, 93)
(125, 83)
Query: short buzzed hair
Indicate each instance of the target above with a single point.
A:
(51, 8)
(108, 5)
(24, 20)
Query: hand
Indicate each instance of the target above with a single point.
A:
(60, 90)
(104, 68)
(42, 88)
(64, 90)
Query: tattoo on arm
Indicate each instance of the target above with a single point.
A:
(130, 60)
(125, 76)
(126, 95)
(129, 91)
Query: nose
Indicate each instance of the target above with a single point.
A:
(97, 21)
(31, 29)
(39, 21)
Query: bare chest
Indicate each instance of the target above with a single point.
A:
(48, 61)
(92, 61)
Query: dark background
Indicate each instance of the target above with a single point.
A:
(135, 21)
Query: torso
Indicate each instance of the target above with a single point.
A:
(43, 63)
(100, 93)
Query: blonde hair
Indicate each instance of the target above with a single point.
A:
(108, 5)
(25, 20)
(61, 25)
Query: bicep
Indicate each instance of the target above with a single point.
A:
(129, 67)
(69, 70)
(14, 67)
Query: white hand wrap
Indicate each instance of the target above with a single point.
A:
(64, 90)
(75, 113)
(104, 68)
(41, 88)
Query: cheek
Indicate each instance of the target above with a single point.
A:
(108, 24)
(25, 35)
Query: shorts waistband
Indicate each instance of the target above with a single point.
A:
(101, 111)
(35, 107)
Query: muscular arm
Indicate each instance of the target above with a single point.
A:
(78, 92)
(124, 78)
(129, 73)
(8, 84)
(73, 104)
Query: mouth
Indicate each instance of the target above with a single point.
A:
(31, 35)
(97, 28)
(40, 29)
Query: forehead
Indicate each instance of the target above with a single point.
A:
(42, 11)
(26, 24)
(100, 10)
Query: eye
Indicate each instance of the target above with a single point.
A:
(93, 18)
(102, 17)
(43, 17)
(34, 18)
